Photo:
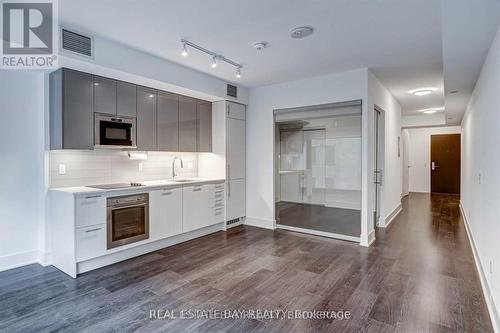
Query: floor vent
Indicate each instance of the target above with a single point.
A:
(233, 221)
(77, 43)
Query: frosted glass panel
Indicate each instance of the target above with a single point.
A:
(320, 174)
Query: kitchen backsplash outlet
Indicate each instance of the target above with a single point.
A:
(92, 167)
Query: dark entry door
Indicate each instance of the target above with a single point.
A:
(445, 163)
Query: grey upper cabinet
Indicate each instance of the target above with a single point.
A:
(204, 130)
(105, 95)
(146, 118)
(126, 99)
(168, 121)
(71, 110)
(187, 124)
(164, 121)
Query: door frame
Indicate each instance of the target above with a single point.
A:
(378, 164)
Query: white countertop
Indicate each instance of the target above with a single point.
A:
(148, 185)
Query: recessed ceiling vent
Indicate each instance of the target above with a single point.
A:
(232, 91)
(77, 43)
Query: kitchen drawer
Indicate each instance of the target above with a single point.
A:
(218, 215)
(90, 210)
(90, 242)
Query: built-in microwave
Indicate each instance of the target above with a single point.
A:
(114, 132)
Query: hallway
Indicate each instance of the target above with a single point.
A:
(418, 277)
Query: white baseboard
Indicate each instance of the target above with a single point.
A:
(420, 190)
(319, 233)
(260, 223)
(19, 259)
(367, 240)
(494, 315)
(392, 215)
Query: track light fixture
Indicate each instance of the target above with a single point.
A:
(184, 50)
(215, 57)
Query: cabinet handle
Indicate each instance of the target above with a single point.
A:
(196, 189)
(166, 193)
(228, 171)
(92, 230)
(228, 189)
(93, 196)
(227, 109)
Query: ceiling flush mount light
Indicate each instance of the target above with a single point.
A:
(301, 32)
(432, 110)
(215, 56)
(184, 52)
(422, 91)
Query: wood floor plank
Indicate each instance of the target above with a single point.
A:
(419, 276)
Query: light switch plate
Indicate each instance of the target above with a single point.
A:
(62, 169)
(140, 166)
(190, 165)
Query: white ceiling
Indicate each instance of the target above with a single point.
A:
(399, 40)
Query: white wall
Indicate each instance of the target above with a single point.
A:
(379, 96)
(420, 155)
(481, 175)
(331, 88)
(21, 167)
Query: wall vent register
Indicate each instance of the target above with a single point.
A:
(76, 42)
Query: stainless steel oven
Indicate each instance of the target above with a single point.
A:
(114, 131)
(127, 219)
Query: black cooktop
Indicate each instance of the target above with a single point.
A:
(115, 186)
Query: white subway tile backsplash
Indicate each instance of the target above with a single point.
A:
(92, 167)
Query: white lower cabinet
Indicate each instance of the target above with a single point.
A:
(196, 207)
(90, 210)
(90, 242)
(165, 213)
(235, 199)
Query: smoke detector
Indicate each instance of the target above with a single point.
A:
(301, 32)
(259, 46)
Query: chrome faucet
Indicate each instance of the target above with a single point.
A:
(173, 166)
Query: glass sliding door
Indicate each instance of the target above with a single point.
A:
(319, 174)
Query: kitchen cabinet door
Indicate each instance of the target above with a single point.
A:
(90, 242)
(165, 213)
(235, 111)
(235, 148)
(126, 99)
(77, 112)
(146, 119)
(235, 204)
(204, 133)
(187, 124)
(168, 121)
(104, 95)
(196, 207)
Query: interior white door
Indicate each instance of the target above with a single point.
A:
(236, 152)
(165, 213)
(235, 199)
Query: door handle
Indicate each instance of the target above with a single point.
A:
(434, 166)
(228, 189)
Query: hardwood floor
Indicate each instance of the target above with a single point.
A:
(418, 277)
(315, 217)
